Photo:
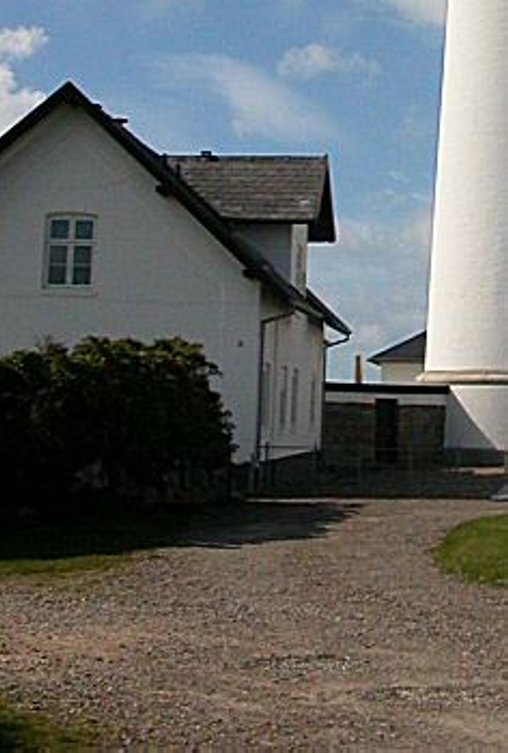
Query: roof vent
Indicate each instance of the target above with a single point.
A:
(121, 121)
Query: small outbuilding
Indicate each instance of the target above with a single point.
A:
(403, 362)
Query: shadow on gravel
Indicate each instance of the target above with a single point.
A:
(227, 525)
(258, 522)
(463, 483)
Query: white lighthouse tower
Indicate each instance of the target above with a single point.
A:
(467, 342)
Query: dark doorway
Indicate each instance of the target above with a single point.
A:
(387, 431)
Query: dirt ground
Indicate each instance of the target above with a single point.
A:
(316, 625)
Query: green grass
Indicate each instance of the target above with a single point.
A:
(95, 543)
(477, 551)
(22, 732)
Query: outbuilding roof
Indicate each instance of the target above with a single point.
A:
(171, 182)
(412, 349)
(263, 188)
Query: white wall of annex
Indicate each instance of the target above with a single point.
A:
(157, 271)
(284, 245)
(274, 240)
(299, 253)
(290, 343)
(369, 398)
(404, 372)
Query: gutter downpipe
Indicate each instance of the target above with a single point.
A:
(326, 347)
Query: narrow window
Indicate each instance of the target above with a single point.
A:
(266, 395)
(294, 398)
(312, 406)
(70, 244)
(283, 397)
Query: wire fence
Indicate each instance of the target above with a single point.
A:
(371, 472)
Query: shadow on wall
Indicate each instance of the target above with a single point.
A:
(461, 428)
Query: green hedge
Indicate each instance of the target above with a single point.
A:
(115, 415)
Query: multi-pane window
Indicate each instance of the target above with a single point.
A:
(70, 242)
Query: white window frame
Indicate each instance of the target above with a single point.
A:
(72, 244)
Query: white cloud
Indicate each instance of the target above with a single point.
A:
(15, 100)
(376, 279)
(21, 42)
(259, 104)
(411, 236)
(427, 12)
(315, 59)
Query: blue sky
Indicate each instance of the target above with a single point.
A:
(357, 79)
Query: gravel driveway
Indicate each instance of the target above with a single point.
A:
(294, 626)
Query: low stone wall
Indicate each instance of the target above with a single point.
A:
(349, 425)
(348, 432)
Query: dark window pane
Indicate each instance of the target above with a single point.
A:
(82, 255)
(56, 275)
(84, 229)
(58, 255)
(82, 267)
(59, 229)
(81, 276)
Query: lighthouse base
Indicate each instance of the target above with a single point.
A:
(477, 423)
(476, 428)
(476, 410)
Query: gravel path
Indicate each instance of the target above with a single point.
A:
(311, 626)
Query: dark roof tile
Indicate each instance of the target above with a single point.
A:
(412, 349)
(263, 188)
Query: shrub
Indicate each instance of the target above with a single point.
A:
(139, 416)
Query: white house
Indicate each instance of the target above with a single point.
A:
(402, 363)
(99, 234)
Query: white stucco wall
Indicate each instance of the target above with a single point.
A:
(476, 417)
(293, 343)
(404, 372)
(284, 245)
(157, 272)
(299, 252)
(274, 240)
(468, 304)
(369, 398)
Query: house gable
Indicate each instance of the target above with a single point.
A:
(157, 271)
(170, 183)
